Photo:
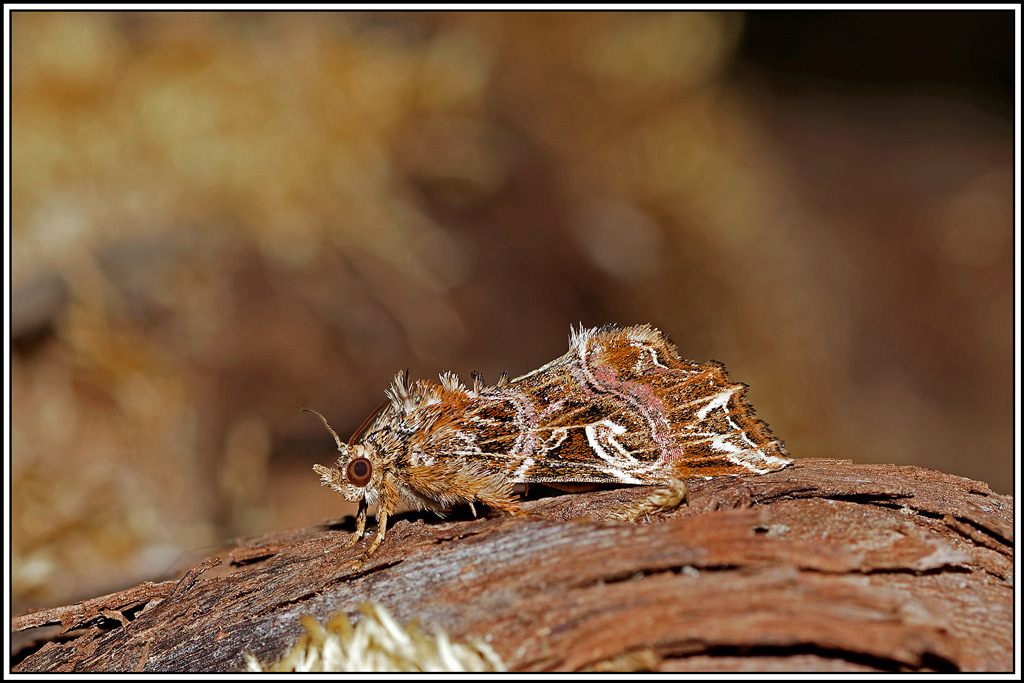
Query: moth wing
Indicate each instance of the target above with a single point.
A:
(623, 407)
(599, 452)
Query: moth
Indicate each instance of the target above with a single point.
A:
(621, 407)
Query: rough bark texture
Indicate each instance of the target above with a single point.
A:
(823, 566)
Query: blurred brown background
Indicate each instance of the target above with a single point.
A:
(217, 216)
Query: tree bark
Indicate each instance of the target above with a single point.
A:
(823, 566)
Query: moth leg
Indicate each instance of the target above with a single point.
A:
(388, 503)
(382, 527)
(360, 525)
(664, 499)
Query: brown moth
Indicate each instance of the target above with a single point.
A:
(620, 407)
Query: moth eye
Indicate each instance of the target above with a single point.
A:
(359, 471)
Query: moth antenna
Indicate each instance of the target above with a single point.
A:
(324, 420)
(503, 380)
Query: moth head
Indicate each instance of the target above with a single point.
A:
(357, 472)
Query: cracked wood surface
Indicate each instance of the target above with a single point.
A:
(823, 566)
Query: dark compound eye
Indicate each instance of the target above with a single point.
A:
(359, 472)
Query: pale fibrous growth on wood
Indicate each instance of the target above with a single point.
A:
(621, 407)
(377, 643)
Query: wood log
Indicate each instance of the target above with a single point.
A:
(823, 566)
